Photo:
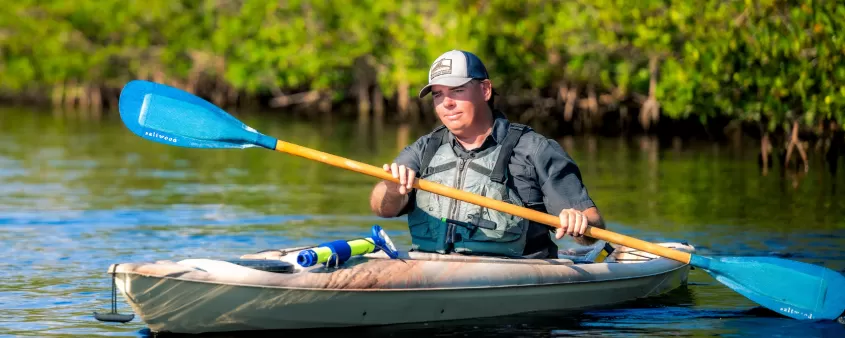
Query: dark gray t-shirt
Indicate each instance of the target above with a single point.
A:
(544, 175)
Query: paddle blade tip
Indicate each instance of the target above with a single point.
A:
(130, 102)
(794, 289)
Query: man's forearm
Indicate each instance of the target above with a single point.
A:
(386, 203)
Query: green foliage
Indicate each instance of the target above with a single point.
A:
(769, 61)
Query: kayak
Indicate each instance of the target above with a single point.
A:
(268, 290)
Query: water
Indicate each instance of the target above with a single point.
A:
(80, 192)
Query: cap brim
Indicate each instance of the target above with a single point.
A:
(446, 81)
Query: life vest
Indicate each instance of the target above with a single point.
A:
(442, 224)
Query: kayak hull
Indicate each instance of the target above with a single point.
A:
(199, 296)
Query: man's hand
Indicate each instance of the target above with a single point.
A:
(389, 198)
(404, 174)
(572, 222)
(575, 223)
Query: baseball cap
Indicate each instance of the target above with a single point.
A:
(453, 69)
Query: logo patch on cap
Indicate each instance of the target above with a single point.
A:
(442, 67)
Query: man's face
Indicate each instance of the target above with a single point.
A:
(457, 106)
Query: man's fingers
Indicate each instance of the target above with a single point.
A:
(564, 223)
(584, 223)
(573, 223)
(579, 225)
(403, 175)
(573, 217)
(394, 169)
(411, 176)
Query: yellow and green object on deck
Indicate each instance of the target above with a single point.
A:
(339, 251)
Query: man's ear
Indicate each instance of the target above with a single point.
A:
(487, 88)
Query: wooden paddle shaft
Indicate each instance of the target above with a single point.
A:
(551, 220)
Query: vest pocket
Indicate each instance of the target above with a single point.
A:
(420, 219)
(508, 228)
(420, 229)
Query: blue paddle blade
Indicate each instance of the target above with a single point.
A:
(794, 289)
(175, 117)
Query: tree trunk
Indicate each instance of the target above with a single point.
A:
(217, 97)
(592, 107)
(158, 76)
(404, 100)
(765, 152)
(378, 103)
(414, 110)
(562, 93)
(569, 108)
(70, 94)
(795, 142)
(835, 149)
(58, 95)
(403, 136)
(82, 94)
(96, 103)
(363, 101)
(193, 79)
(650, 111)
(112, 99)
(232, 95)
(325, 105)
(364, 79)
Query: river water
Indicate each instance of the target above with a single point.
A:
(79, 192)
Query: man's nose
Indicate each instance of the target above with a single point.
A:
(448, 102)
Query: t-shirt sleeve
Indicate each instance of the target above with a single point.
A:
(559, 179)
(411, 155)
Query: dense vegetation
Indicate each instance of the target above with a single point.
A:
(774, 65)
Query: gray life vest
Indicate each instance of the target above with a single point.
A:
(470, 229)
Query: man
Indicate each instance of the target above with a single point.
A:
(478, 150)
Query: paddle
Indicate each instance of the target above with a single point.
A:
(172, 116)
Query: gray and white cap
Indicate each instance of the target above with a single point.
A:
(453, 69)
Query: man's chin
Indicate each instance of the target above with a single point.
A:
(455, 126)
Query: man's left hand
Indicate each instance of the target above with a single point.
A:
(573, 223)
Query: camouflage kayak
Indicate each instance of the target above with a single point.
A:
(269, 291)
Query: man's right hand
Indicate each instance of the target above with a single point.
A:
(405, 175)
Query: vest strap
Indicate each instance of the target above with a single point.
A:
(434, 143)
(438, 169)
(515, 132)
(479, 169)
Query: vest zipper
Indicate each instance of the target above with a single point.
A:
(453, 204)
